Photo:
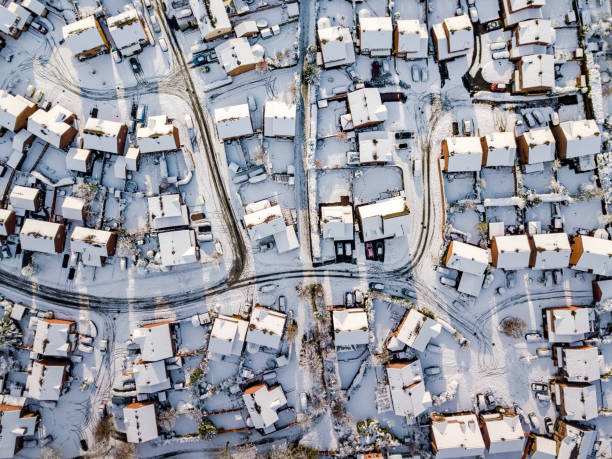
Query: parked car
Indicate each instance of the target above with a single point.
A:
(534, 421)
(432, 371)
(303, 401)
(539, 387)
(511, 279)
(529, 119)
(39, 27)
(103, 345)
(282, 302)
(542, 396)
(494, 25)
(375, 69)
(424, 73)
(376, 286)
(490, 399)
(416, 77)
(162, 44)
(497, 45)
(358, 297)
(136, 68)
(534, 336)
(498, 87)
(549, 426)
(537, 114)
(349, 300)
(445, 271)
(481, 402)
(501, 55)
(488, 280)
(379, 249)
(155, 24)
(448, 281)
(93, 113)
(369, 247)
(544, 352)
(467, 127)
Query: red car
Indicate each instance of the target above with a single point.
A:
(375, 69)
(369, 250)
(498, 87)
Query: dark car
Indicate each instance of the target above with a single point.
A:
(549, 425)
(136, 68)
(94, 112)
(375, 69)
(493, 25)
(39, 27)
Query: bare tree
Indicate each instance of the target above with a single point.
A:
(514, 327)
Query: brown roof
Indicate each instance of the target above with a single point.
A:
(253, 389)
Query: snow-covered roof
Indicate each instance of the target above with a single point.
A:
(54, 337)
(376, 33)
(407, 388)
(264, 222)
(246, 28)
(350, 326)
(77, 159)
(53, 126)
(279, 119)
(536, 72)
(235, 53)
(151, 377)
(470, 284)
(13, 19)
(83, 35)
(464, 154)
(538, 31)
(14, 424)
(416, 330)
(517, 5)
(127, 29)
(7, 222)
(504, 431)
(466, 257)
(286, 240)
(227, 336)
(568, 324)
(41, 236)
(384, 219)
(499, 149)
(411, 38)
(551, 250)
(336, 45)
(581, 137)
(34, 6)
(72, 208)
(212, 17)
(140, 422)
(366, 107)
(375, 147)
(593, 254)
(46, 380)
(459, 33)
(263, 403)
(543, 448)
(155, 341)
(581, 364)
(14, 110)
(511, 252)
(337, 222)
(93, 245)
(575, 440)
(457, 436)
(515, 11)
(158, 135)
(103, 135)
(266, 327)
(26, 198)
(579, 401)
(540, 145)
(233, 121)
(167, 211)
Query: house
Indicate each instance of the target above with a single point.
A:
(531, 37)
(511, 252)
(350, 326)
(103, 135)
(54, 126)
(14, 19)
(132, 158)
(158, 135)
(155, 341)
(73, 209)
(366, 107)
(35, 6)
(246, 29)
(592, 254)
(453, 37)
(151, 377)
(279, 119)
(41, 236)
(8, 221)
(15, 423)
(264, 221)
(85, 38)
(79, 160)
(54, 337)
(549, 251)
(577, 138)
(178, 247)
(227, 336)
(337, 222)
(93, 245)
(534, 73)
(415, 330)
(498, 149)
(602, 290)
(236, 56)
(375, 147)
(408, 393)
(574, 440)
(167, 211)
(539, 447)
(266, 327)
(128, 32)
(384, 219)
(14, 111)
(581, 363)
(262, 404)
(335, 43)
(466, 258)
(576, 401)
(515, 11)
(567, 324)
(47, 379)
(212, 17)
(233, 122)
(22, 141)
(456, 435)
(25, 198)
(410, 39)
(502, 432)
(376, 35)
(140, 421)
(462, 154)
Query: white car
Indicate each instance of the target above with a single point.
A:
(497, 45)
(116, 56)
(155, 24)
(501, 55)
(163, 45)
(473, 14)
